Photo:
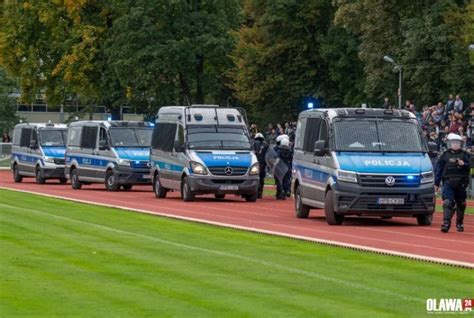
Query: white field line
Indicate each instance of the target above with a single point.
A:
(363, 248)
(214, 252)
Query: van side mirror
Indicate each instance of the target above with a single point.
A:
(33, 144)
(103, 145)
(320, 149)
(432, 149)
(178, 147)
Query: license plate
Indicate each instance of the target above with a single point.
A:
(228, 187)
(394, 201)
(146, 176)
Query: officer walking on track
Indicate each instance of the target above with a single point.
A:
(260, 148)
(284, 183)
(453, 169)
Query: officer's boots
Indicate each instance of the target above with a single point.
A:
(460, 209)
(448, 211)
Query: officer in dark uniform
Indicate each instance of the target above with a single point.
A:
(260, 148)
(453, 169)
(286, 156)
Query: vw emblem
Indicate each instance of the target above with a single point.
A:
(390, 181)
(228, 171)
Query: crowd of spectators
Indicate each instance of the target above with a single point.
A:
(437, 121)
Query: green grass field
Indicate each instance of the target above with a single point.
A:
(60, 258)
(4, 162)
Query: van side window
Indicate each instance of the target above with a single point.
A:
(25, 137)
(16, 136)
(323, 134)
(74, 137)
(103, 140)
(164, 135)
(311, 133)
(300, 128)
(89, 137)
(34, 137)
(180, 135)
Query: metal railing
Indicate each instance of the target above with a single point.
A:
(5, 149)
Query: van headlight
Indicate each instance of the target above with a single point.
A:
(255, 169)
(427, 177)
(198, 168)
(123, 162)
(346, 176)
(48, 159)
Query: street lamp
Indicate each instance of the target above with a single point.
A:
(398, 67)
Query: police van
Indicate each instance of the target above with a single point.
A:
(203, 150)
(115, 153)
(362, 162)
(38, 151)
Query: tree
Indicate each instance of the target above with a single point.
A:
(179, 49)
(7, 104)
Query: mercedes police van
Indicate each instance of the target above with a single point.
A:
(112, 152)
(38, 151)
(362, 162)
(203, 149)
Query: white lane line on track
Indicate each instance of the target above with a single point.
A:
(297, 227)
(311, 274)
(267, 216)
(276, 233)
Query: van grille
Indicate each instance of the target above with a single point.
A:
(59, 161)
(368, 180)
(224, 171)
(140, 164)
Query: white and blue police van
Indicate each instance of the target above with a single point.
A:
(115, 153)
(203, 149)
(362, 162)
(38, 151)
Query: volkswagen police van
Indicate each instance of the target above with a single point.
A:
(38, 151)
(203, 150)
(362, 162)
(115, 153)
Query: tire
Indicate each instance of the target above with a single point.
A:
(39, 176)
(219, 196)
(331, 216)
(251, 197)
(127, 187)
(76, 184)
(301, 209)
(186, 193)
(111, 183)
(62, 180)
(17, 178)
(158, 189)
(424, 220)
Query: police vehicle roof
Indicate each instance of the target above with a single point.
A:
(43, 125)
(361, 112)
(203, 115)
(113, 123)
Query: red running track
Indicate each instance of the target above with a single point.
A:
(398, 236)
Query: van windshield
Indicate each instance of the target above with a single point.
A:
(130, 137)
(216, 137)
(53, 137)
(375, 135)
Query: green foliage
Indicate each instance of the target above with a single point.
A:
(8, 117)
(429, 46)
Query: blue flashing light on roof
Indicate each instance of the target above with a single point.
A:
(310, 105)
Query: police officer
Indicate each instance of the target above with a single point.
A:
(260, 148)
(286, 156)
(277, 149)
(453, 169)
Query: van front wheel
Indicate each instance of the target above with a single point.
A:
(16, 174)
(39, 176)
(186, 192)
(301, 209)
(75, 183)
(331, 216)
(424, 220)
(111, 182)
(160, 192)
